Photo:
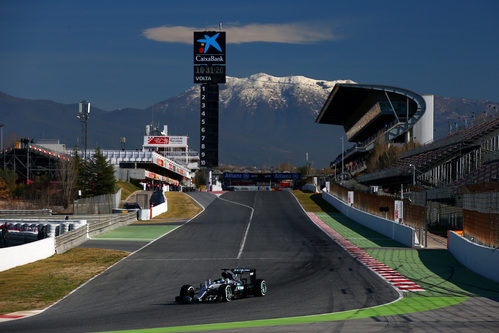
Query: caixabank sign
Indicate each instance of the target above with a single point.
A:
(209, 47)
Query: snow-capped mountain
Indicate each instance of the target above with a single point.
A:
(264, 120)
(276, 93)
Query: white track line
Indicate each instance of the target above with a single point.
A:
(116, 263)
(243, 241)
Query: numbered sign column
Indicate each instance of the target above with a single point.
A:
(208, 126)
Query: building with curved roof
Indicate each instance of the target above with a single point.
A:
(368, 111)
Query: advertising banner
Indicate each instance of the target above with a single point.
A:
(165, 141)
(350, 198)
(209, 47)
(398, 213)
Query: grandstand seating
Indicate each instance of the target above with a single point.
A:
(487, 173)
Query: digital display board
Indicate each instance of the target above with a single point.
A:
(209, 74)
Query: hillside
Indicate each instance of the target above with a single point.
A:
(264, 120)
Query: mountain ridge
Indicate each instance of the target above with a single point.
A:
(264, 120)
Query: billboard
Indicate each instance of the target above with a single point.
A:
(165, 141)
(209, 47)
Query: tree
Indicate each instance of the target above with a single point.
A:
(101, 175)
(83, 178)
(9, 177)
(68, 176)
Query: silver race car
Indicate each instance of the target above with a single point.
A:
(234, 283)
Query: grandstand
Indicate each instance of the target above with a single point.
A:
(29, 159)
(469, 156)
(367, 112)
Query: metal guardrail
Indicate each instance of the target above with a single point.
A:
(41, 212)
(94, 227)
(117, 220)
(70, 239)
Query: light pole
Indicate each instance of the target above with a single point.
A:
(83, 113)
(1, 135)
(413, 174)
(342, 157)
(123, 142)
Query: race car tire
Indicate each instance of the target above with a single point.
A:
(260, 288)
(225, 293)
(187, 291)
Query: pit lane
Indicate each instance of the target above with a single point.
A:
(306, 272)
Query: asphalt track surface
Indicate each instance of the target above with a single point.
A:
(306, 272)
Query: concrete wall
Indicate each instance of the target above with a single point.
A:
(160, 209)
(41, 249)
(309, 188)
(145, 214)
(480, 259)
(422, 131)
(24, 254)
(401, 233)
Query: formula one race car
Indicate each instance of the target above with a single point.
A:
(234, 283)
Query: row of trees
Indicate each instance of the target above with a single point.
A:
(74, 178)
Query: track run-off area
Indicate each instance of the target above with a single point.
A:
(318, 280)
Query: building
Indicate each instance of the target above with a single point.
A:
(368, 112)
(163, 160)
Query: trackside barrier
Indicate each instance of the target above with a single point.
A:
(71, 239)
(83, 229)
(95, 226)
(160, 209)
(43, 212)
(309, 188)
(480, 259)
(24, 254)
(112, 221)
(147, 214)
(401, 233)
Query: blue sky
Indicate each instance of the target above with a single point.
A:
(134, 53)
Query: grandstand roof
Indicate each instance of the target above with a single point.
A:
(363, 110)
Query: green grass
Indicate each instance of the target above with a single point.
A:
(313, 202)
(404, 305)
(438, 272)
(361, 236)
(39, 284)
(137, 232)
(126, 188)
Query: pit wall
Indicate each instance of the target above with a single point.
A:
(401, 233)
(480, 259)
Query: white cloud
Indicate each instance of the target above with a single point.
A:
(291, 33)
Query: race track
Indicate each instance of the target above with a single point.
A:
(307, 273)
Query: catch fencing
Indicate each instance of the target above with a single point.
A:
(477, 214)
(100, 204)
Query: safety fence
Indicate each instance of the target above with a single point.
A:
(482, 228)
(382, 206)
(477, 214)
(100, 204)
